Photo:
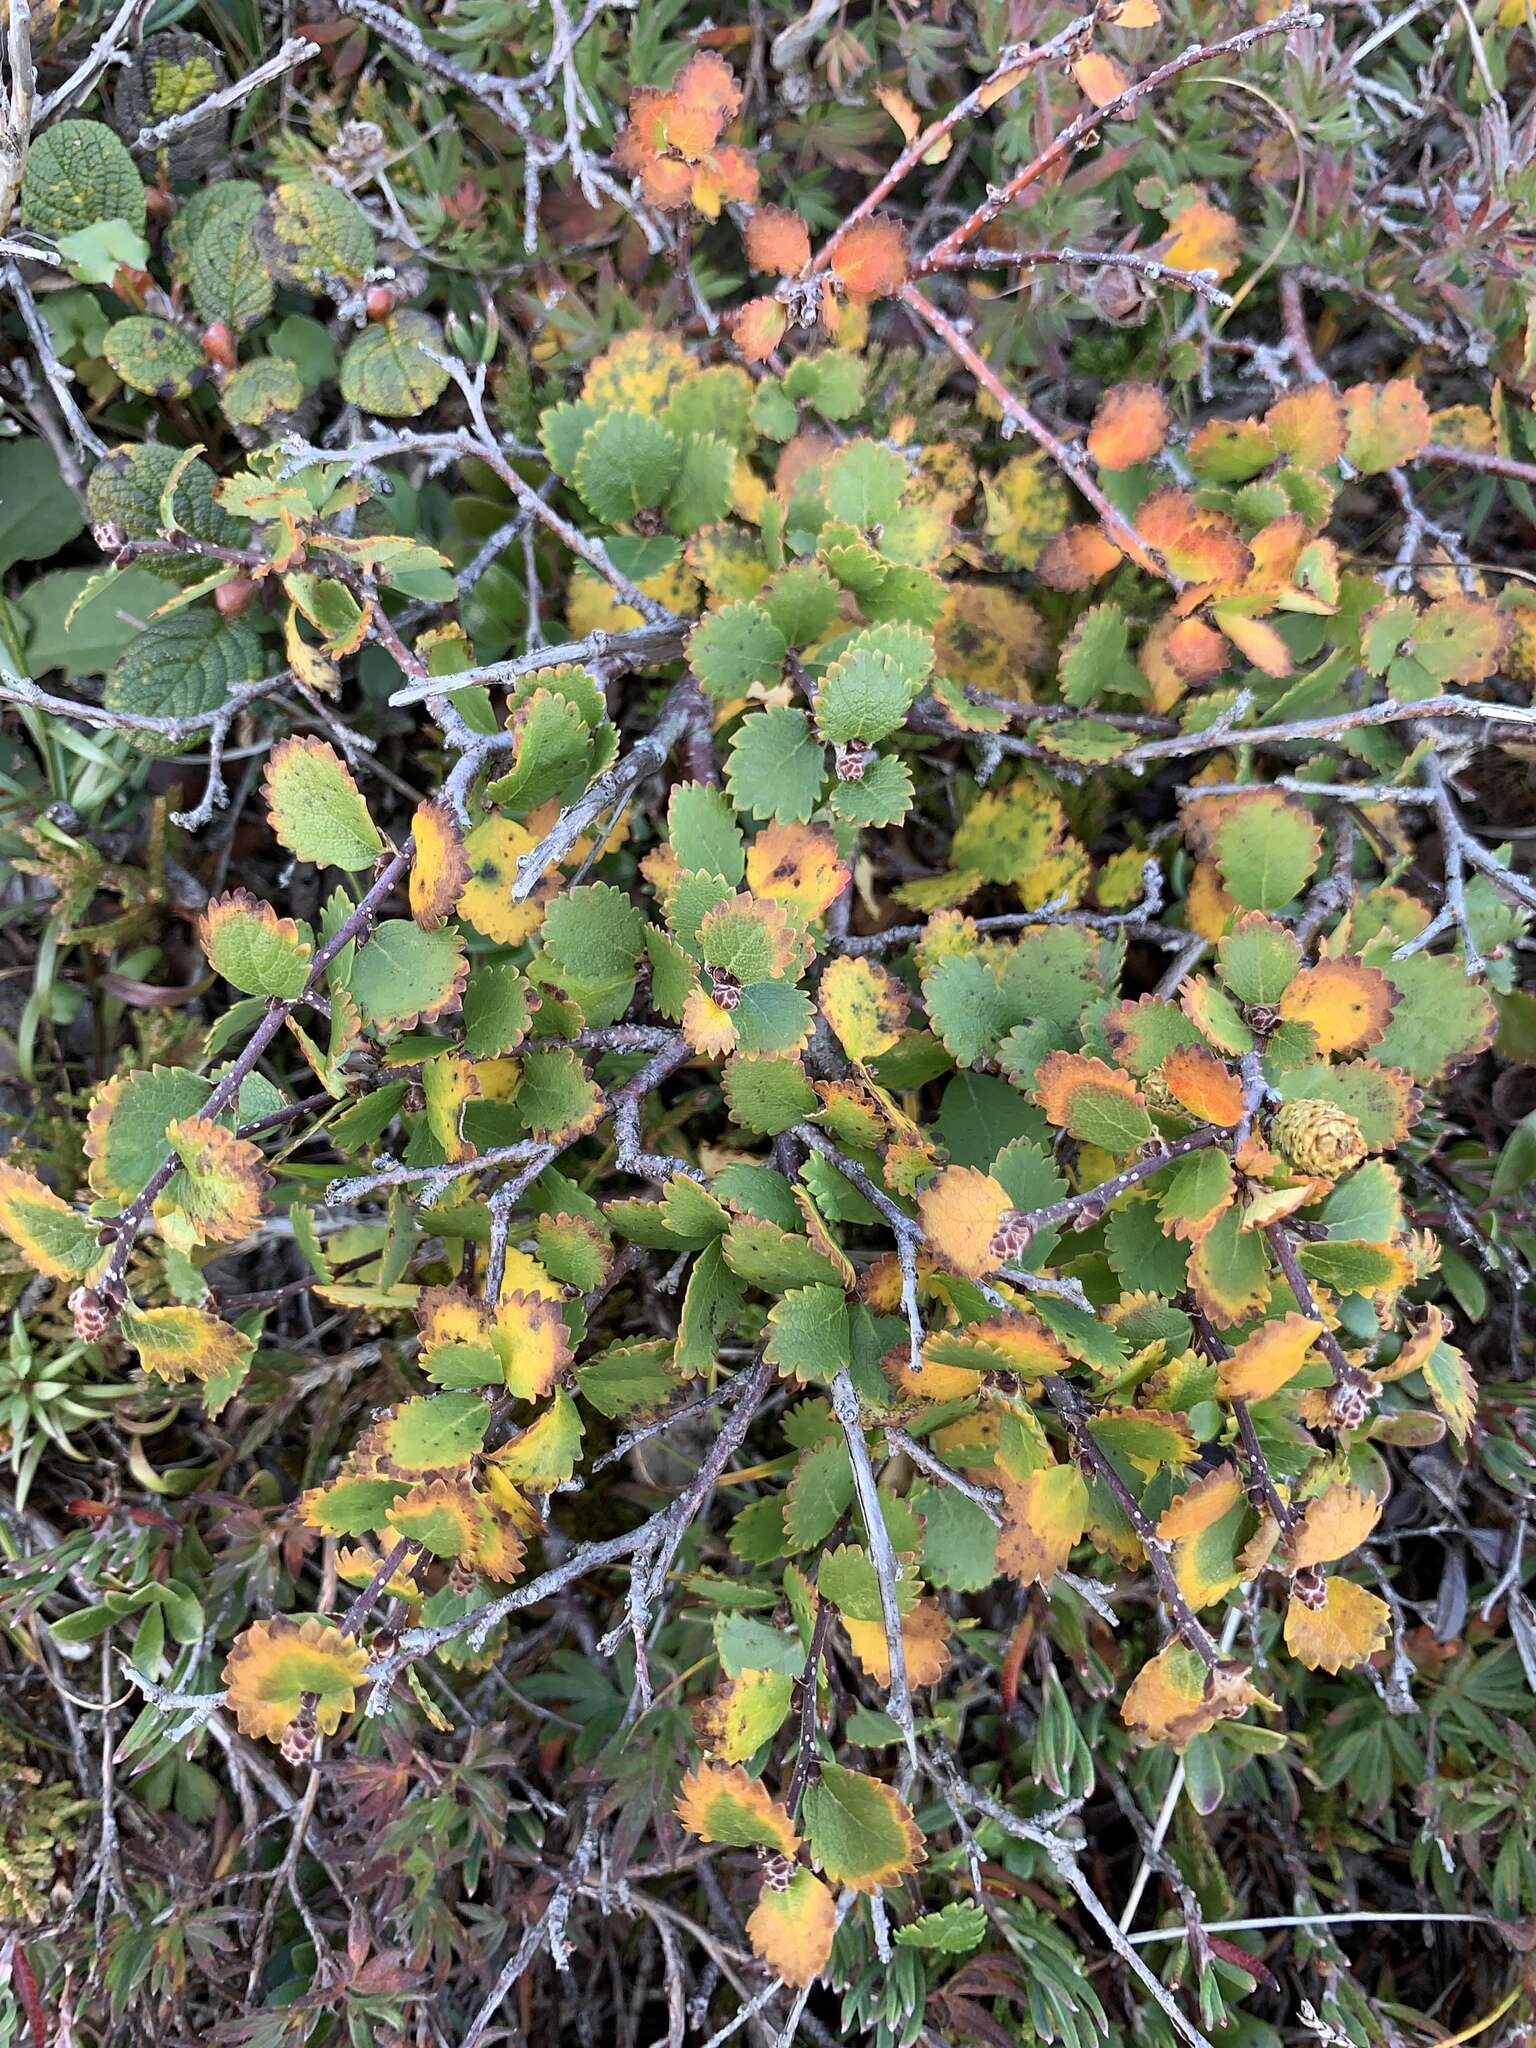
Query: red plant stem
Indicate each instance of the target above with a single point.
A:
(1014, 65)
(1077, 132)
(1117, 527)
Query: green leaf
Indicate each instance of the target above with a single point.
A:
(959, 1540)
(497, 1010)
(809, 1334)
(179, 667)
(801, 601)
(1266, 847)
(154, 356)
(863, 696)
(228, 279)
(701, 493)
(1444, 1018)
(595, 932)
(387, 370)
(767, 1092)
(39, 513)
(860, 1832)
(704, 833)
(954, 1930)
(405, 976)
(78, 173)
(864, 483)
(627, 462)
(94, 255)
(776, 770)
(734, 647)
(318, 811)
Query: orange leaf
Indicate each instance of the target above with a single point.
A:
(1076, 559)
(1256, 641)
(911, 122)
(758, 327)
(791, 1927)
(1203, 237)
(1130, 426)
(1348, 1004)
(871, 259)
(1101, 78)
(708, 81)
(1204, 1085)
(777, 241)
(1198, 544)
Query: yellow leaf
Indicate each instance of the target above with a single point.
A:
(274, 1664)
(530, 1338)
(799, 865)
(493, 850)
(1203, 237)
(52, 1237)
(1264, 1362)
(1349, 1628)
(791, 1927)
(1332, 1525)
(1174, 1698)
(960, 1212)
(1027, 505)
(865, 1005)
(172, 1342)
(1101, 78)
(1044, 1515)
(1348, 1004)
(924, 1641)
(638, 373)
(911, 123)
(440, 867)
(216, 1199)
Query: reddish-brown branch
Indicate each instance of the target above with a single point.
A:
(1119, 529)
(1076, 133)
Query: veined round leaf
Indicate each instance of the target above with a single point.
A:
(387, 371)
(152, 355)
(314, 235)
(79, 172)
(229, 280)
(125, 490)
(180, 667)
(263, 391)
(317, 809)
